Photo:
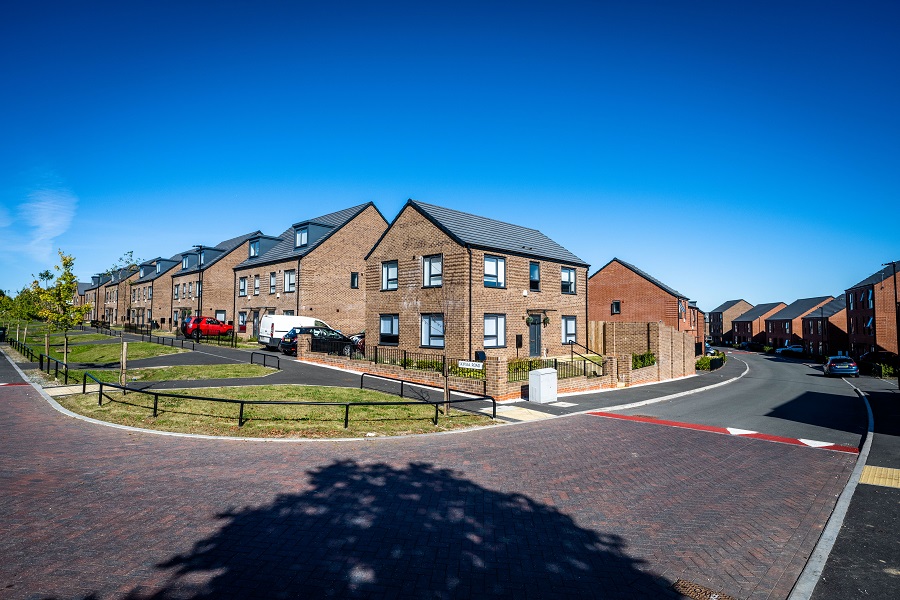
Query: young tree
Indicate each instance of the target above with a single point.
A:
(24, 308)
(56, 305)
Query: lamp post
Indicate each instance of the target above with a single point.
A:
(200, 257)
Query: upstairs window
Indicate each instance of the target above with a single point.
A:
(534, 277)
(150, 293)
(389, 329)
(175, 295)
(184, 262)
(567, 277)
(432, 267)
(301, 237)
(290, 281)
(191, 289)
(242, 287)
(256, 285)
(254, 248)
(871, 300)
(389, 275)
(433, 331)
(354, 280)
(142, 272)
(202, 257)
(158, 268)
(273, 281)
(494, 272)
(616, 307)
(850, 300)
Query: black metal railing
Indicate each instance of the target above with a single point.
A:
(423, 392)
(43, 359)
(594, 362)
(23, 349)
(242, 403)
(266, 356)
(517, 370)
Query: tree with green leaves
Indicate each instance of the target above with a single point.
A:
(55, 301)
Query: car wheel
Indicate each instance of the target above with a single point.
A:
(346, 350)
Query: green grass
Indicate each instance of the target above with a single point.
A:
(110, 353)
(177, 373)
(216, 418)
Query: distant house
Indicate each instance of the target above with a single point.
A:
(620, 292)
(79, 299)
(151, 293)
(441, 281)
(785, 328)
(94, 294)
(871, 312)
(204, 285)
(825, 329)
(315, 268)
(750, 327)
(117, 301)
(720, 318)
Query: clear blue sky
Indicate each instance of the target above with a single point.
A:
(732, 150)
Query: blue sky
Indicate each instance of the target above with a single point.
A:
(732, 150)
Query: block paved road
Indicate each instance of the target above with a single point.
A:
(581, 506)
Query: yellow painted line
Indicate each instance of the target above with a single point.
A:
(881, 476)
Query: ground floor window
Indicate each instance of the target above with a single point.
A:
(289, 313)
(220, 315)
(433, 331)
(494, 331)
(389, 329)
(568, 330)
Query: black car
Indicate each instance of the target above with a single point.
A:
(868, 361)
(323, 339)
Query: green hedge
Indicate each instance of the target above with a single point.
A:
(883, 371)
(639, 361)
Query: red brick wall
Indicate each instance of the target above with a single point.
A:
(640, 300)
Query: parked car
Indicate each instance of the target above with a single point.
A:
(843, 366)
(196, 327)
(273, 327)
(794, 350)
(323, 339)
(880, 357)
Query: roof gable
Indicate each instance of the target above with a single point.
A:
(727, 305)
(757, 311)
(646, 276)
(798, 308)
(886, 273)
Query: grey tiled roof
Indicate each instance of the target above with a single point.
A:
(879, 276)
(646, 276)
(226, 247)
(756, 312)
(726, 305)
(176, 261)
(798, 308)
(830, 309)
(285, 249)
(83, 287)
(489, 234)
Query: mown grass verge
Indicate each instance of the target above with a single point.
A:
(215, 418)
(176, 373)
(111, 353)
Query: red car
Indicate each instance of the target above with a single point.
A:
(197, 327)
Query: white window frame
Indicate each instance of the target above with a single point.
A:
(256, 285)
(222, 317)
(253, 249)
(290, 281)
(433, 270)
(494, 331)
(175, 295)
(301, 237)
(494, 271)
(184, 262)
(432, 332)
(389, 283)
(569, 328)
(158, 268)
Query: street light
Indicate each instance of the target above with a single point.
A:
(199, 248)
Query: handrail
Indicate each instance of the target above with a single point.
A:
(266, 357)
(572, 343)
(156, 395)
(362, 377)
(58, 362)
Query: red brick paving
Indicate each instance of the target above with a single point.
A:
(579, 506)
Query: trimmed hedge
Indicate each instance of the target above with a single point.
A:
(639, 361)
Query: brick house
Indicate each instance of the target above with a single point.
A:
(117, 296)
(151, 293)
(698, 322)
(315, 268)
(825, 329)
(785, 327)
(872, 312)
(80, 296)
(94, 294)
(720, 329)
(750, 327)
(204, 284)
(620, 292)
(440, 281)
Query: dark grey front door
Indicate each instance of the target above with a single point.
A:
(534, 337)
(256, 323)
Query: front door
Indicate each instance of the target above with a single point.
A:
(256, 324)
(534, 336)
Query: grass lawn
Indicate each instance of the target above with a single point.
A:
(177, 373)
(216, 418)
(110, 353)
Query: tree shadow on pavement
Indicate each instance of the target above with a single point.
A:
(414, 532)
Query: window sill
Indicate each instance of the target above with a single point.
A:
(389, 344)
(495, 287)
(432, 347)
(486, 347)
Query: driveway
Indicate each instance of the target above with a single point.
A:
(582, 506)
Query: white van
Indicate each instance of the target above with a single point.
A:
(273, 327)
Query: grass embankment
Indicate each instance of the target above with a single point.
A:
(177, 373)
(216, 418)
(111, 353)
